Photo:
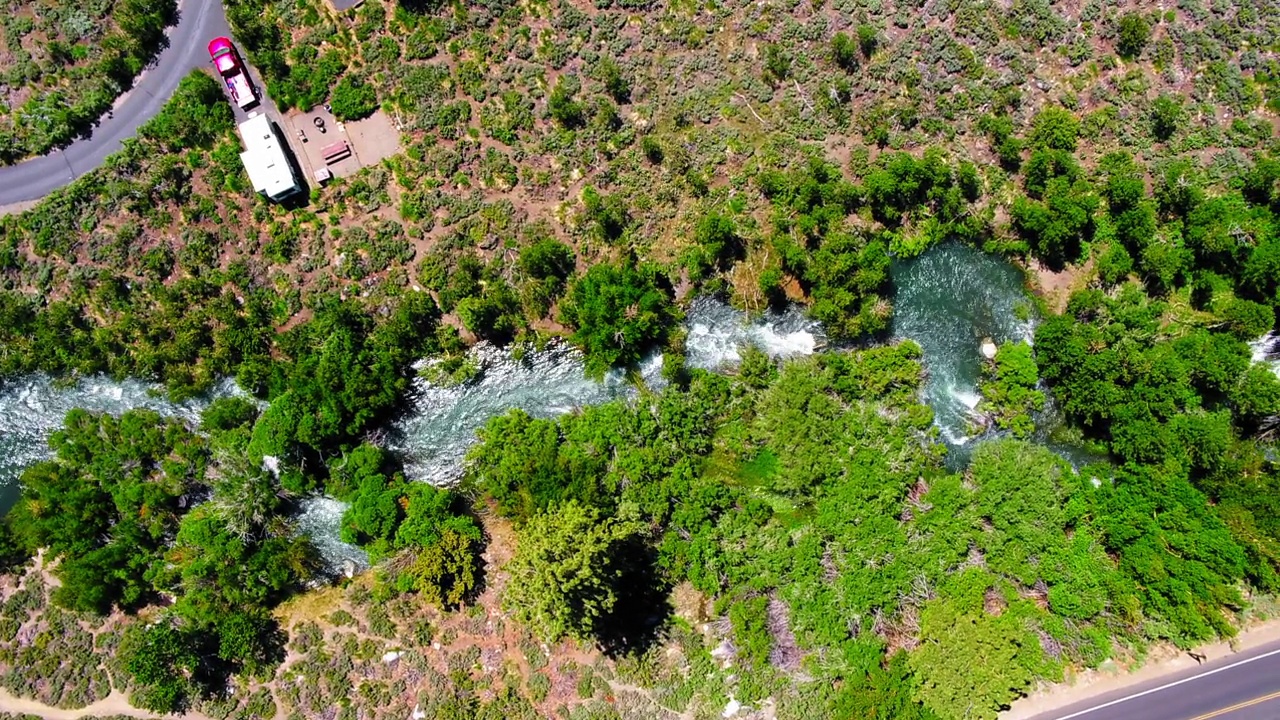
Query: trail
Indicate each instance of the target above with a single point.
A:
(114, 704)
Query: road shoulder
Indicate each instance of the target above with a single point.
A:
(1163, 661)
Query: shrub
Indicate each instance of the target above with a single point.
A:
(1166, 115)
(619, 312)
(1055, 128)
(1133, 35)
(352, 99)
(563, 108)
(868, 40)
(844, 52)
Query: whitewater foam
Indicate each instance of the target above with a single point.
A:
(433, 438)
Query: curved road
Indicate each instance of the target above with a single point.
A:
(199, 21)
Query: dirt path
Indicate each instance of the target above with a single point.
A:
(114, 704)
(1163, 661)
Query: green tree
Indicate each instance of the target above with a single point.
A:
(777, 63)
(250, 641)
(615, 83)
(160, 659)
(1248, 319)
(868, 40)
(518, 464)
(548, 259)
(446, 572)
(1256, 397)
(1132, 35)
(607, 214)
(1006, 145)
(1146, 512)
(195, 117)
(1058, 226)
(1055, 128)
(972, 664)
(1166, 115)
(844, 52)
(108, 503)
(562, 106)
(1009, 389)
(353, 99)
(618, 313)
(226, 413)
(566, 571)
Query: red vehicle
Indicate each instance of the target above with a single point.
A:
(232, 70)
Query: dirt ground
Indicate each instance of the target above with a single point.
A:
(113, 704)
(372, 140)
(18, 207)
(1162, 662)
(1056, 287)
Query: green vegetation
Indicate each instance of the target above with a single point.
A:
(1009, 391)
(353, 100)
(781, 534)
(114, 506)
(66, 63)
(619, 313)
(1021, 561)
(566, 576)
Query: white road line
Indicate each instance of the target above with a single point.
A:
(1166, 686)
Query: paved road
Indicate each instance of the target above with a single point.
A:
(199, 21)
(1243, 686)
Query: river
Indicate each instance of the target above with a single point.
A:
(433, 438)
(947, 301)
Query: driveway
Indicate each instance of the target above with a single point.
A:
(199, 21)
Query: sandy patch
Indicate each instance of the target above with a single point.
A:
(113, 704)
(1056, 287)
(18, 207)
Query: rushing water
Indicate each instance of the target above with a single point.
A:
(1266, 349)
(948, 300)
(434, 436)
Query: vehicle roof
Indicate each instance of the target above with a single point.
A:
(219, 43)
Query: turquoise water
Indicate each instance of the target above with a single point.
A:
(948, 300)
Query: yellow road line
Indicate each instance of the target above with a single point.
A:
(1239, 706)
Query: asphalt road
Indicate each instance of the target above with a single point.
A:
(1243, 686)
(199, 21)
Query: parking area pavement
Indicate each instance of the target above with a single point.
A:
(367, 141)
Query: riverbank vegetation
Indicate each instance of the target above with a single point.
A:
(1010, 397)
(784, 535)
(66, 63)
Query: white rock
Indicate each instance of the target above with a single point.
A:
(731, 709)
(988, 349)
(391, 656)
(271, 464)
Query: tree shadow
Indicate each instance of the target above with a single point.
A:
(643, 610)
(422, 7)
